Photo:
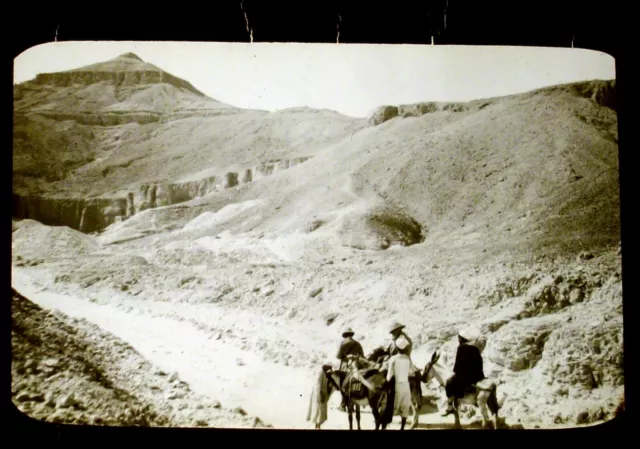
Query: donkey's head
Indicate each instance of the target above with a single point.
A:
(377, 354)
(334, 379)
(430, 368)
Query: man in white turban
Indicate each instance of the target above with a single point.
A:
(399, 369)
(397, 331)
(468, 367)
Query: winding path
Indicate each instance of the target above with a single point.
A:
(277, 394)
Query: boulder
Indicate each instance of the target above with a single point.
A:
(382, 114)
(67, 401)
(174, 394)
(585, 355)
(519, 344)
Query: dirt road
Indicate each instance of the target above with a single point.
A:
(277, 394)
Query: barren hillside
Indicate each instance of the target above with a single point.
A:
(273, 230)
(70, 371)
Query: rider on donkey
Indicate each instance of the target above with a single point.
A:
(348, 347)
(467, 370)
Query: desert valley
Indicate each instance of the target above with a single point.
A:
(179, 261)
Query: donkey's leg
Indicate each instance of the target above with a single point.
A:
(456, 413)
(416, 410)
(374, 404)
(350, 412)
(496, 419)
(381, 410)
(358, 416)
(482, 400)
(376, 417)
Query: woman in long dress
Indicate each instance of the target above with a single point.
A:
(318, 402)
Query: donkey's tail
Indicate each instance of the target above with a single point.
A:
(501, 401)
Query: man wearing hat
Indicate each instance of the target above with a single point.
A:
(467, 369)
(348, 347)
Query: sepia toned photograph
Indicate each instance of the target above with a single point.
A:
(316, 236)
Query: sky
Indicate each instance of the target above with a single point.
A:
(353, 79)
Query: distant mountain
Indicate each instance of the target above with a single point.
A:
(120, 85)
(114, 127)
(536, 167)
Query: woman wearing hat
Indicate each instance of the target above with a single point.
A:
(399, 368)
(396, 330)
(348, 347)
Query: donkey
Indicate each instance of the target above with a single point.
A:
(483, 396)
(372, 392)
(379, 357)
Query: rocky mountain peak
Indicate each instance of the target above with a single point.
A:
(129, 56)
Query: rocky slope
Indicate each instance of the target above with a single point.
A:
(501, 214)
(69, 371)
(113, 131)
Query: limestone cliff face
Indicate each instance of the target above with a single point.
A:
(86, 215)
(137, 77)
(95, 214)
(149, 196)
(59, 121)
(116, 118)
(602, 92)
(106, 119)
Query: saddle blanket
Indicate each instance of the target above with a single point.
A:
(356, 381)
(484, 384)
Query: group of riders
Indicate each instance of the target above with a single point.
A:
(467, 370)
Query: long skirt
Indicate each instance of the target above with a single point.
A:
(318, 407)
(402, 403)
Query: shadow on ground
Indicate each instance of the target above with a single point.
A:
(450, 424)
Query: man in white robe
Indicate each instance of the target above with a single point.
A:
(399, 369)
